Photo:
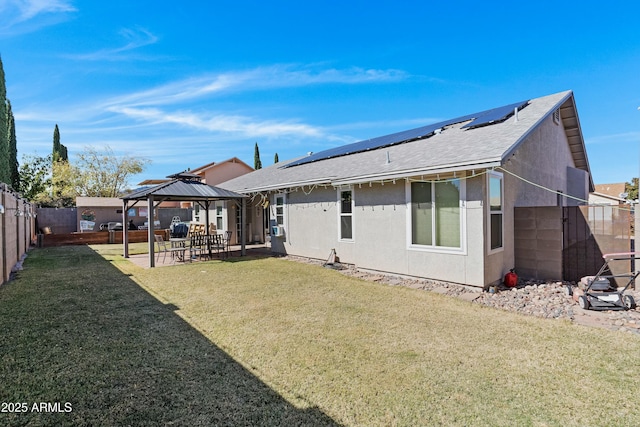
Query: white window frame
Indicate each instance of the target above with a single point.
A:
(283, 196)
(499, 175)
(462, 250)
(274, 210)
(223, 215)
(351, 214)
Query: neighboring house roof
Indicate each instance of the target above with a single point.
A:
(611, 189)
(184, 187)
(453, 147)
(202, 169)
(598, 198)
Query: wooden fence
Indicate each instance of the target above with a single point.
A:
(17, 230)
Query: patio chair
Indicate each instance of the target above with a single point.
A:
(227, 240)
(216, 243)
(197, 246)
(162, 248)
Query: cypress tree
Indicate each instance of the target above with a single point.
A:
(56, 144)
(14, 172)
(275, 158)
(5, 175)
(59, 155)
(257, 164)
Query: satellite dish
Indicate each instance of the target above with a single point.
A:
(623, 195)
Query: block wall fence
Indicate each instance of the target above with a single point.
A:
(17, 230)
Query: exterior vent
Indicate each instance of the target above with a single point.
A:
(556, 116)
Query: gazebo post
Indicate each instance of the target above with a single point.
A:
(207, 203)
(125, 229)
(151, 236)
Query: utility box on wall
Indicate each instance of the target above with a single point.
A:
(277, 231)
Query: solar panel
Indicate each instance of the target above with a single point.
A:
(495, 115)
(479, 119)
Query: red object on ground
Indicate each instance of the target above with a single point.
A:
(511, 279)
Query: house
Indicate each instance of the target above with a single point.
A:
(434, 202)
(608, 194)
(216, 172)
(607, 206)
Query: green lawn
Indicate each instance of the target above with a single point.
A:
(272, 342)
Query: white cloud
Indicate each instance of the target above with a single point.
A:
(20, 16)
(236, 124)
(31, 8)
(159, 105)
(617, 138)
(262, 78)
(135, 38)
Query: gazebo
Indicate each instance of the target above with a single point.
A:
(182, 187)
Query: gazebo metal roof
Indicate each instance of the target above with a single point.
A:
(184, 187)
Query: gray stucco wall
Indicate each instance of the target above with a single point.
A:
(380, 217)
(381, 233)
(545, 159)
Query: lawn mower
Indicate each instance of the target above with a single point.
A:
(599, 293)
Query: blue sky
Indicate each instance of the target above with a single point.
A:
(187, 83)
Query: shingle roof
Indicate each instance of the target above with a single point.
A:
(454, 149)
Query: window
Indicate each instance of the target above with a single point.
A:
(346, 214)
(219, 217)
(496, 210)
(436, 214)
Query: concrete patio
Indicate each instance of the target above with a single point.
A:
(142, 260)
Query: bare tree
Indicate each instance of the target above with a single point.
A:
(103, 174)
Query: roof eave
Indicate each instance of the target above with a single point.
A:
(574, 137)
(452, 168)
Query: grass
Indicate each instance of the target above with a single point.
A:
(271, 342)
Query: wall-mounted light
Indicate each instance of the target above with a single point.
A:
(17, 213)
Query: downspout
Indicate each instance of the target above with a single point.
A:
(243, 217)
